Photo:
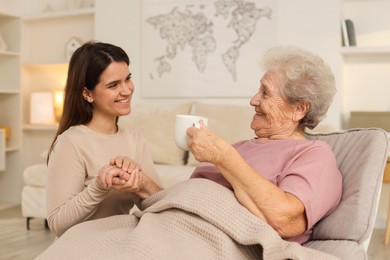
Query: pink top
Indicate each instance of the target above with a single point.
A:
(305, 168)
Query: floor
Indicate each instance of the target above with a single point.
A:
(18, 243)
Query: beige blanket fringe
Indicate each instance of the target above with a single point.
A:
(196, 219)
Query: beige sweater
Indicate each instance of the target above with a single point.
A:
(73, 195)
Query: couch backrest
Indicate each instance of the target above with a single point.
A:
(156, 123)
(361, 156)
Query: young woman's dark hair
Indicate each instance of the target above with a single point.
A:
(85, 67)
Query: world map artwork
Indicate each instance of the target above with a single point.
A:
(188, 45)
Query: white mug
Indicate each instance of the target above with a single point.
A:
(182, 123)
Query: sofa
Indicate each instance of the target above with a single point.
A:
(361, 156)
(34, 193)
(156, 123)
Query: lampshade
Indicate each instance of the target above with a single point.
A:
(41, 108)
(7, 131)
(2, 149)
(58, 104)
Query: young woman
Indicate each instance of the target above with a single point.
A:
(98, 90)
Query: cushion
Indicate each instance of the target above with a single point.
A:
(231, 122)
(361, 157)
(343, 249)
(34, 201)
(157, 126)
(35, 175)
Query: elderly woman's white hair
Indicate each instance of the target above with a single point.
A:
(306, 77)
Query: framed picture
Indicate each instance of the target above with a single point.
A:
(203, 48)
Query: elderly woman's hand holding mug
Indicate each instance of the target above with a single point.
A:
(206, 146)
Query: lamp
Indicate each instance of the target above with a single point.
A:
(2, 149)
(41, 108)
(58, 104)
(7, 131)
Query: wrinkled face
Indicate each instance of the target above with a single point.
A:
(274, 116)
(112, 95)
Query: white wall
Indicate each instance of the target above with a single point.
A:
(314, 25)
(366, 80)
(310, 24)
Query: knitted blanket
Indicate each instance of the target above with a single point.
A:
(196, 219)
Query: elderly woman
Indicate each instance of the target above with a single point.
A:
(279, 176)
(278, 179)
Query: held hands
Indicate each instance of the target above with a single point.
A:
(205, 145)
(122, 174)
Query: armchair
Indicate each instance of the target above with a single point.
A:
(361, 155)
